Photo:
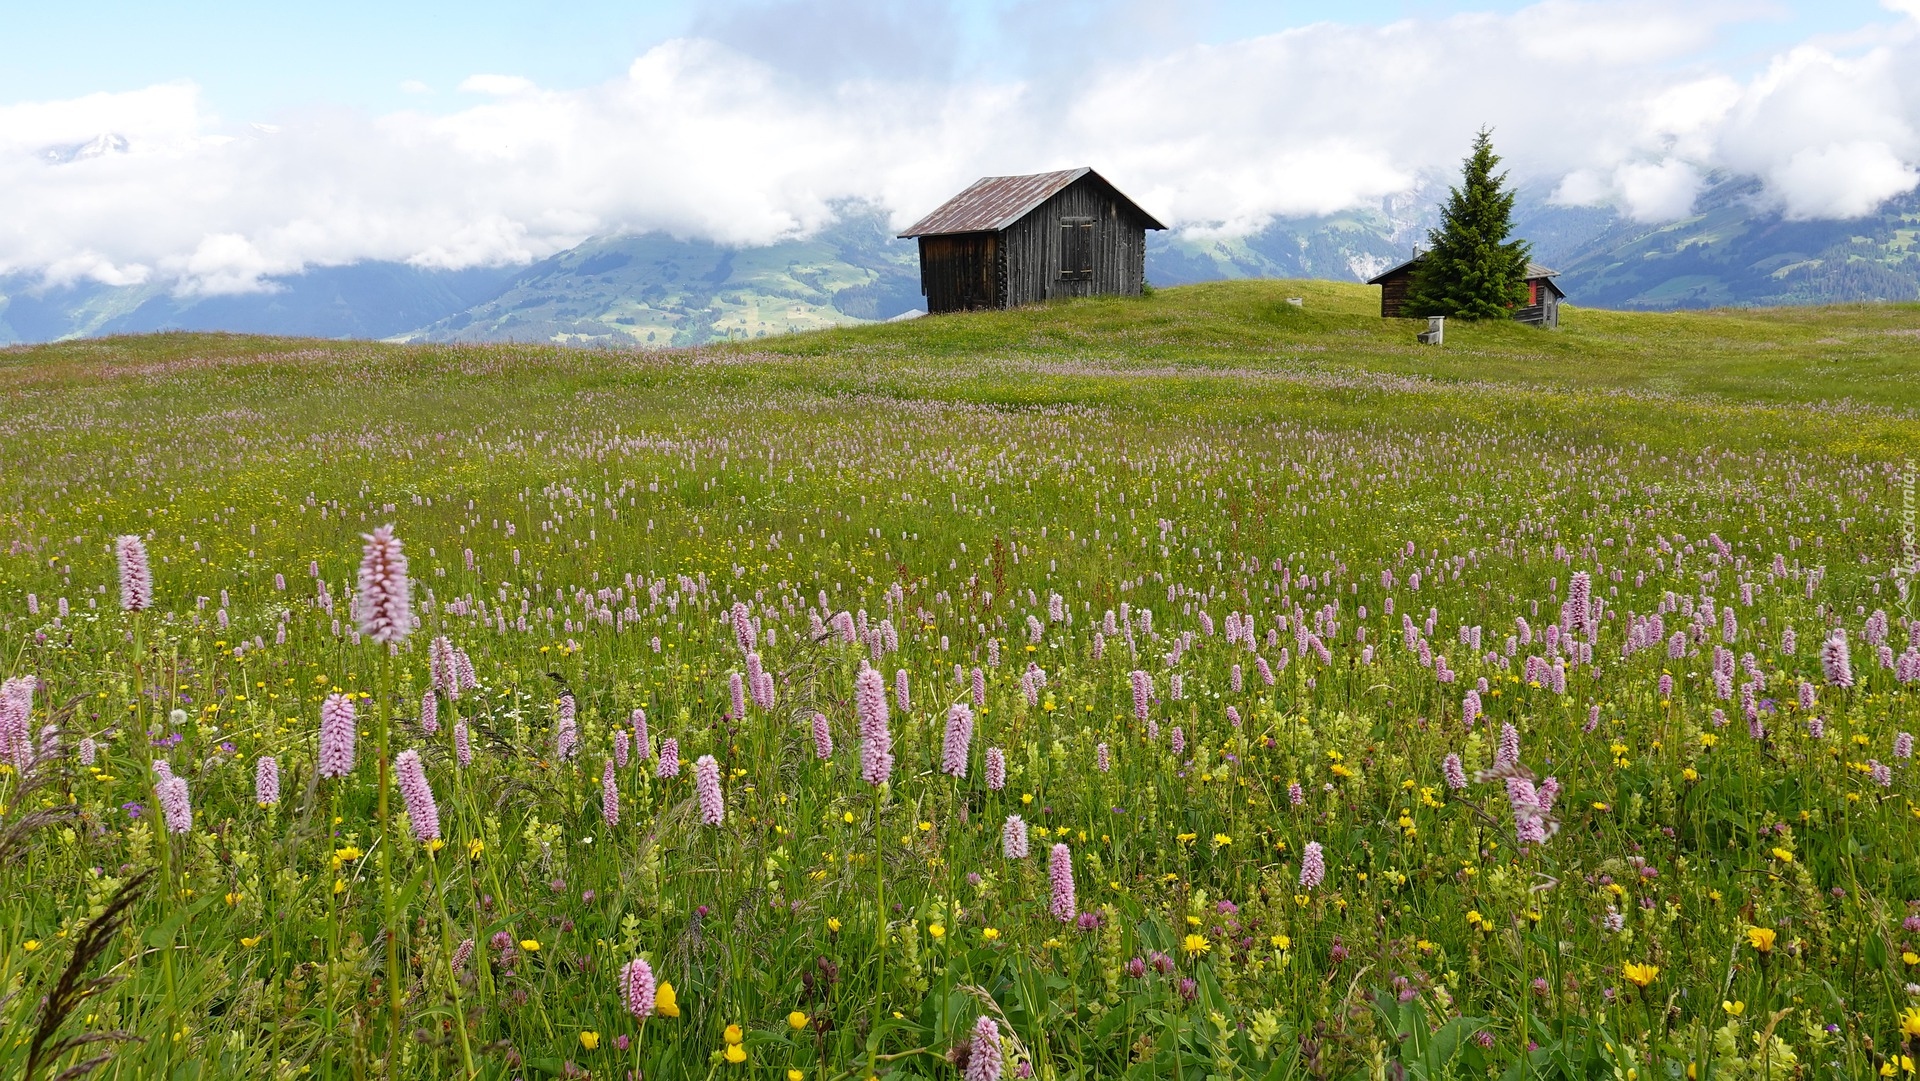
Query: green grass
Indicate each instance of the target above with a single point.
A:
(1235, 454)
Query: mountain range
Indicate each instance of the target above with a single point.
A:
(655, 290)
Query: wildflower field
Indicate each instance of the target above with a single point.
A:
(1187, 687)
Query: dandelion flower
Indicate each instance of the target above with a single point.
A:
(1761, 938)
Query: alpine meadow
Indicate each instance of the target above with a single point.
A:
(1196, 685)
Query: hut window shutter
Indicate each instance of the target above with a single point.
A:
(1076, 250)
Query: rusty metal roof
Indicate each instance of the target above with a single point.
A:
(992, 203)
(1534, 270)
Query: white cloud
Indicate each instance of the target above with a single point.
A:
(1841, 180)
(1598, 103)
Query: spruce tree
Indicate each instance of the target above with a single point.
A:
(1471, 270)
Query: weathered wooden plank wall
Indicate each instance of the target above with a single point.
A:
(961, 272)
(1393, 295)
(1034, 250)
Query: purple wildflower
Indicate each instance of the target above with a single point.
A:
(876, 743)
(1060, 877)
(637, 987)
(266, 781)
(959, 739)
(1013, 838)
(983, 1054)
(429, 713)
(1508, 752)
(706, 786)
(136, 576)
(422, 813)
(609, 796)
(1455, 773)
(383, 607)
(822, 738)
(669, 765)
(1313, 866)
(996, 769)
(338, 731)
(175, 805)
(1835, 660)
(462, 748)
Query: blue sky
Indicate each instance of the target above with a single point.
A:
(257, 59)
(212, 146)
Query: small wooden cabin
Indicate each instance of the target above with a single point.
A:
(1542, 308)
(1011, 240)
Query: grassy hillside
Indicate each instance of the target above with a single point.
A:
(1262, 696)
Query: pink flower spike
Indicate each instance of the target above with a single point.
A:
(383, 606)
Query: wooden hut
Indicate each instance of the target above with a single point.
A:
(1010, 240)
(1542, 308)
